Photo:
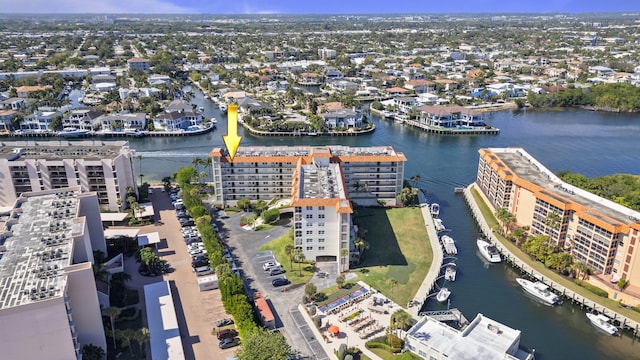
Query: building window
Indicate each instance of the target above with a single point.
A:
(321, 240)
(309, 232)
(321, 248)
(320, 232)
(309, 224)
(321, 216)
(309, 216)
(309, 208)
(309, 240)
(321, 224)
(320, 208)
(309, 248)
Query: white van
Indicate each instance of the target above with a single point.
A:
(203, 270)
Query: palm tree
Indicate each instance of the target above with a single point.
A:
(552, 221)
(289, 250)
(505, 218)
(401, 320)
(299, 257)
(415, 179)
(142, 336)
(112, 313)
(125, 336)
(392, 283)
(139, 157)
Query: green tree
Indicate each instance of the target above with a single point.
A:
(244, 203)
(271, 216)
(92, 352)
(401, 320)
(340, 280)
(289, 250)
(392, 284)
(299, 258)
(112, 313)
(262, 344)
(141, 337)
(310, 291)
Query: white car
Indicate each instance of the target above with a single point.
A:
(198, 251)
(195, 245)
(269, 264)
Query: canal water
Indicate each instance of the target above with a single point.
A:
(591, 143)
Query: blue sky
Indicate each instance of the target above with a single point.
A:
(315, 6)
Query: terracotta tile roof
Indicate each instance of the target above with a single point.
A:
(28, 89)
(397, 89)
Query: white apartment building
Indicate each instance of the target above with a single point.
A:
(322, 213)
(482, 338)
(371, 174)
(49, 304)
(139, 64)
(103, 167)
(326, 54)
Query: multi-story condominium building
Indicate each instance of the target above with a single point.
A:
(596, 231)
(326, 54)
(138, 64)
(371, 174)
(49, 305)
(482, 338)
(321, 183)
(102, 167)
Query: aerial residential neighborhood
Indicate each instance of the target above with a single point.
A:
(406, 186)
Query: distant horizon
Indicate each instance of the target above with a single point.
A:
(327, 7)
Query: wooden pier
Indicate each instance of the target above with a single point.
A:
(623, 322)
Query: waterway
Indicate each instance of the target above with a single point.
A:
(591, 143)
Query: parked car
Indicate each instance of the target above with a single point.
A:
(203, 270)
(224, 322)
(191, 240)
(198, 251)
(269, 264)
(276, 271)
(199, 260)
(229, 342)
(187, 222)
(227, 333)
(196, 245)
(277, 282)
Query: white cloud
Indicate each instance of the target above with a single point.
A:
(95, 6)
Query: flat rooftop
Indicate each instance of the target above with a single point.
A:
(324, 182)
(57, 150)
(483, 338)
(529, 169)
(334, 150)
(35, 246)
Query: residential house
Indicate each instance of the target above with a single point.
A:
(343, 118)
(14, 103)
(6, 119)
(404, 103)
(343, 85)
(449, 116)
(81, 119)
(123, 121)
(24, 91)
(420, 86)
(39, 121)
(138, 64)
(396, 91)
(178, 116)
(331, 73)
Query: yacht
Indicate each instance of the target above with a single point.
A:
(539, 290)
(72, 132)
(488, 251)
(602, 322)
(449, 245)
(435, 209)
(450, 272)
(439, 225)
(443, 294)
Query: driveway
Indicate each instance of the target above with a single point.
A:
(244, 245)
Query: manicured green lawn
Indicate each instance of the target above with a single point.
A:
(387, 355)
(399, 250)
(293, 273)
(539, 267)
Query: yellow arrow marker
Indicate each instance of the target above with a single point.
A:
(232, 139)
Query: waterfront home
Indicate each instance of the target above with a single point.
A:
(6, 119)
(308, 79)
(249, 105)
(123, 122)
(331, 73)
(83, 119)
(39, 121)
(343, 118)
(343, 85)
(396, 91)
(179, 115)
(449, 116)
(404, 103)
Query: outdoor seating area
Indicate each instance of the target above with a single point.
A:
(359, 294)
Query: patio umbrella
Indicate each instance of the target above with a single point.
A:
(334, 330)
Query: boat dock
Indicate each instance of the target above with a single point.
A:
(508, 256)
(449, 245)
(447, 315)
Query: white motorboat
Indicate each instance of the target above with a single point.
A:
(439, 225)
(222, 106)
(602, 322)
(450, 272)
(488, 251)
(72, 133)
(434, 209)
(443, 294)
(539, 290)
(449, 245)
